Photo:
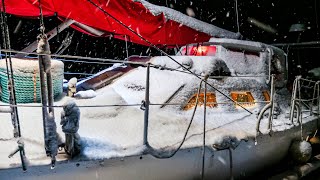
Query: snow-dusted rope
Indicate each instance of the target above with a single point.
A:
(42, 28)
(11, 84)
(46, 89)
(14, 110)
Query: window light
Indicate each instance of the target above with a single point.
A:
(244, 98)
(211, 101)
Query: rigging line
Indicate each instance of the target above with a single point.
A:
(188, 128)
(85, 74)
(85, 62)
(113, 61)
(237, 15)
(42, 28)
(208, 103)
(57, 106)
(125, 105)
(158, 49)
(110, 61)
(210, 77)
(10, 76)
(77, 57)
(4, 43)
(316, 15)
(14, 114)
(212, 129)
(204, 128)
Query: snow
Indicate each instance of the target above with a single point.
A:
(114, 66)
(238, 42)
(188, 21)
(300, 151)
(117, 131)
(134, 84)
(29, 67)
(85, 94)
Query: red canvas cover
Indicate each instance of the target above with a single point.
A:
(156, 29)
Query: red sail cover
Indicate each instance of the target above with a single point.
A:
(157, 29)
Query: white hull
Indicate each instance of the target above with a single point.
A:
(186, 164)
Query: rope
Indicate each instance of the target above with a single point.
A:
(76, 57)
(86, 106)
(84, 74)
(14, 113)
(27, 86)
(117, 105)
(237, 15)
(316, 16)
(112, 61)
(158, 49)
(34, 78)
(186, 133)
(46, 89)
(42, 27)
(231, 163)
(12, 96)
(208, 103)
(204, 129)
(86, 62)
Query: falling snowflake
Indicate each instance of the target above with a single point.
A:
(190, 12)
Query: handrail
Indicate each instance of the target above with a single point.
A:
(270, 106)
(297, 101)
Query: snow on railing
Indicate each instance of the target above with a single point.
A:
(301, 99)
(270, 107)
(302, 102)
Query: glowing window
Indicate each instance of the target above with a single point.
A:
(244, 98)
(266, 95)
(211, 101)
(200, 50)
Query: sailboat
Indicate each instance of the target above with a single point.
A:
(219, 108)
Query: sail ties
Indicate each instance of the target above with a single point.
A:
(49, 125)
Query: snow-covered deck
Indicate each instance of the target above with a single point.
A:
(109, 132)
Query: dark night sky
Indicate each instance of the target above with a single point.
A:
(279, 14)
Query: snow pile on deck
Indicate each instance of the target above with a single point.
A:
(85, 94)
(117, 131)
(132, 86)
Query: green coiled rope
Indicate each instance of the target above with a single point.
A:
(27, 87)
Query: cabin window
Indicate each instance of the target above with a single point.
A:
(211, 101)
(244, 98)
(266, 95)
(201, 50)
